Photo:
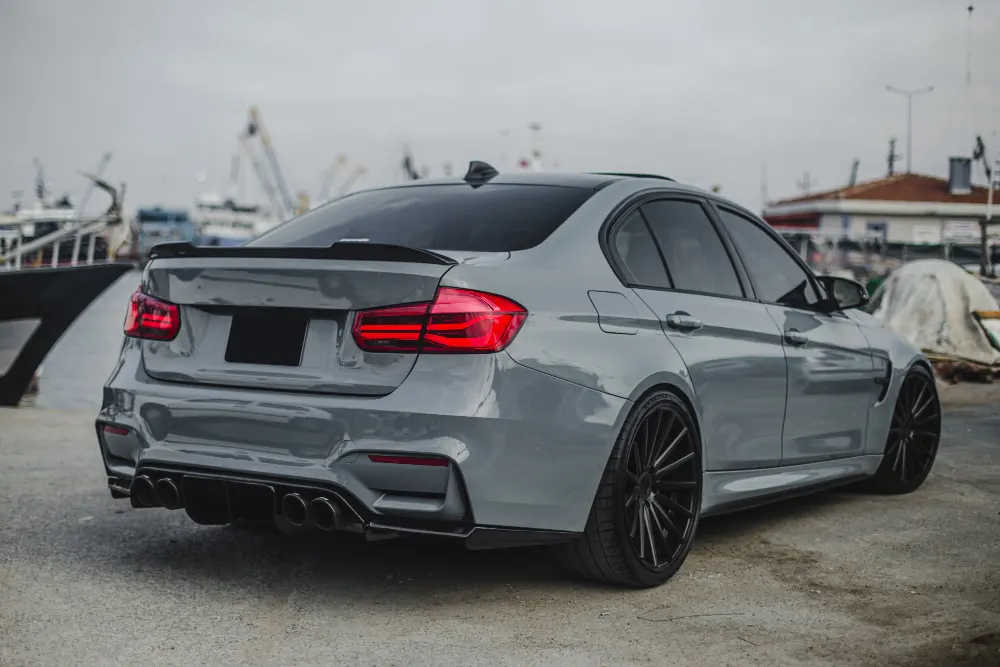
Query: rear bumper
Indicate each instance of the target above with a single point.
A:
(525, 450)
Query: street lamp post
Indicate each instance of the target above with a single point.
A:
(909, 94)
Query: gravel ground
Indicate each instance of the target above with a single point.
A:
(841, 578)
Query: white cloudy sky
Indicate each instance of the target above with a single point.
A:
(703, 90)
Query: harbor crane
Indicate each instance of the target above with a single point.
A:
(329, 176)
(351, 180)
(272, 180)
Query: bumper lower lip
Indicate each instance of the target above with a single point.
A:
(353, 516)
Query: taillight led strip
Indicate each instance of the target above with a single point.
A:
(149, 318)
(457, 321)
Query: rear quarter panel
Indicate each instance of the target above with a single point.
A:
(563, 335)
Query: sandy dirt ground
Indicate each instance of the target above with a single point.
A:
(841, 578)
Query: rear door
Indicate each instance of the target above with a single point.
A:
(731, 347)
(831, 376)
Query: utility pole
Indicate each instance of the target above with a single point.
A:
(892, 157)
(536, 153)
(806, 183)
(909, 95)
(853, 180)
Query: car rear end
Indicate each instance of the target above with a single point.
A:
(336, 373)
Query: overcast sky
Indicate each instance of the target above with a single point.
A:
(705, 91)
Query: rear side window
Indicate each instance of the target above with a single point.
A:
(640, 260)
(490, 218)
(692, 249)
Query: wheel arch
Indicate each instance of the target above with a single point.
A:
(676, 384)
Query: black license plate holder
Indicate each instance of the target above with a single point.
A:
(267, 336)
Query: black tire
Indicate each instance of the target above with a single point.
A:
(914, 434)
(660, 504)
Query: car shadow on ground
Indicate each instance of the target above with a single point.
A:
(345, 566)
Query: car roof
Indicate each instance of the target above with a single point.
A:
(594, 181)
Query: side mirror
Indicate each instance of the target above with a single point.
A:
(843, 293)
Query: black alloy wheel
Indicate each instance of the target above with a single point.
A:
(661, 481)
(645, 514)
(914, 434)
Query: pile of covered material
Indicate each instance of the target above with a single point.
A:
(942, 309)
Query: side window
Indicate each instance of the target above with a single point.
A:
(639, 258)
(694, 253)
(777, 277)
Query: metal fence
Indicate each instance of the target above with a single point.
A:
(872, 257)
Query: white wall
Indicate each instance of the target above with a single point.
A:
(899, 229)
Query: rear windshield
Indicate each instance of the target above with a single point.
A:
(490, 218)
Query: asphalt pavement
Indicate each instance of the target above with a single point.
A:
(841, 578)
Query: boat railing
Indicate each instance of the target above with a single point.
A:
(79, 231)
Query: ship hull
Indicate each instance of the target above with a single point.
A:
(37, 306)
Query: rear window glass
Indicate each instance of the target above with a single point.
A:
(490, 218)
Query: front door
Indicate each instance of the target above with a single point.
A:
(831, 376)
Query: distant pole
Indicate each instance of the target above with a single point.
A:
(892, 157)
(763, 186)
(909, 94)
(805, 183)
(536, 153)
(970, 107)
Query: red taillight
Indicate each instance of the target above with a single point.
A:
(458, 320)
(151, 319)
(396, 329)
(115, 430)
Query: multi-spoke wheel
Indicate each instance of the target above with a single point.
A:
(913, 435)
(646, 510)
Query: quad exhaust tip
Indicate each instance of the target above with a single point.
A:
(294, 507)
(167, 493)
(142, 492)
(325, 514)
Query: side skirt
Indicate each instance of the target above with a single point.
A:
(734, 490)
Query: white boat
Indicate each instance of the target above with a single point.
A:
(225, 222)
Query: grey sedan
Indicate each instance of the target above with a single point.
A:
(590, 361)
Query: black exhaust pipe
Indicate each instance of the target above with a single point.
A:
(295, 509)
(142, 492)
(167, 493)
(325, 514)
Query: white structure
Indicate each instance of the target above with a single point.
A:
(910, 209)
(224, 222)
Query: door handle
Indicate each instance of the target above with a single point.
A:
(795, 337)
(683, 322)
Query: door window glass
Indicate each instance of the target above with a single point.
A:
(692, 249)
(777, 277)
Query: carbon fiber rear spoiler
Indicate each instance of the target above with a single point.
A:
(356, 251)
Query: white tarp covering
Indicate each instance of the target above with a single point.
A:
(930, 302)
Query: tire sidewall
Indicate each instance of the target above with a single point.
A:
(884, 479)
(645, 575)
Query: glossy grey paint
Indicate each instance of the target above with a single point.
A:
(529, 430)
(735, 360)
(614, 313)
(831, 385)
(529, 446)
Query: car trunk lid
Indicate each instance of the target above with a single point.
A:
(280, 318)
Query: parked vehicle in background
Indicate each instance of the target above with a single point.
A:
(589, 360)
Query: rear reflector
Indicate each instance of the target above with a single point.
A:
(150, 318)
(458, 320)
(115, 430)
(409, 460)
